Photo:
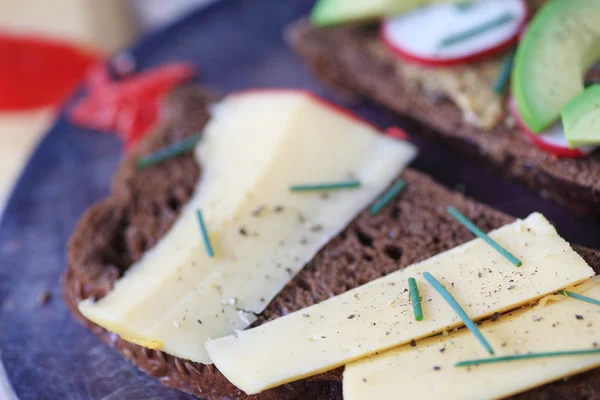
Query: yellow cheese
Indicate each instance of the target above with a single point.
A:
(427, 370)
(254, 148)
(378, 315)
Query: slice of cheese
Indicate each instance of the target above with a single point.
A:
(428, 369)
(378, 315)
(254, 148)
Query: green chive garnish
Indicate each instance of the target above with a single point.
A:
(515, 357)
(415, 298)
(480, 234)
(458, 310)
(505, 70)
(205, 238)
(325, 186)
(486, 26)
(580, 297)
(167, 152)
(387, 197)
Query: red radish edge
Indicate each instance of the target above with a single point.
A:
(320, 100)
(537, 140)
(397, 133)
(428, 62)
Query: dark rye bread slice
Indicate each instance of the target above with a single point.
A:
(352, 60)
(115, 232)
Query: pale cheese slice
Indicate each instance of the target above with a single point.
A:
(428, 369)
(255, 147)
(378, 315)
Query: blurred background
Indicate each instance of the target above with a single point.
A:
(37, 33)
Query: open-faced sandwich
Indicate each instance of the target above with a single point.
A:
(270, 245)
(510, 82)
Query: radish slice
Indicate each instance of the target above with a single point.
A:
(551, 141)
(397, 133)
(417, 36)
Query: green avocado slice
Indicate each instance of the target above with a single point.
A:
(334, 12)
(560, 45)
(581, 118)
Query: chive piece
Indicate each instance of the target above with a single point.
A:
(504, 75)
(205, 238)
(167, 152)
(484, 27)
(480, 234)
(458, 310)
(515, 357)
(387, 197)
(325, 186)
(580, 297)
(415, 298)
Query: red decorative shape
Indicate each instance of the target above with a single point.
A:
(128, 106)
(37, 72)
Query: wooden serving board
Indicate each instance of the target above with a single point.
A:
(236, 44)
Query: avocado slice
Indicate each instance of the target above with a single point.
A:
(334, 12)
(560, 45)
(581, 118)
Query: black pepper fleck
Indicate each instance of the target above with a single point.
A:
(317, 228)
(436, 368)
(200, 322)
(579, 317)
(413, 343)
(45, 297)
(351, 316)
(258, 211)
